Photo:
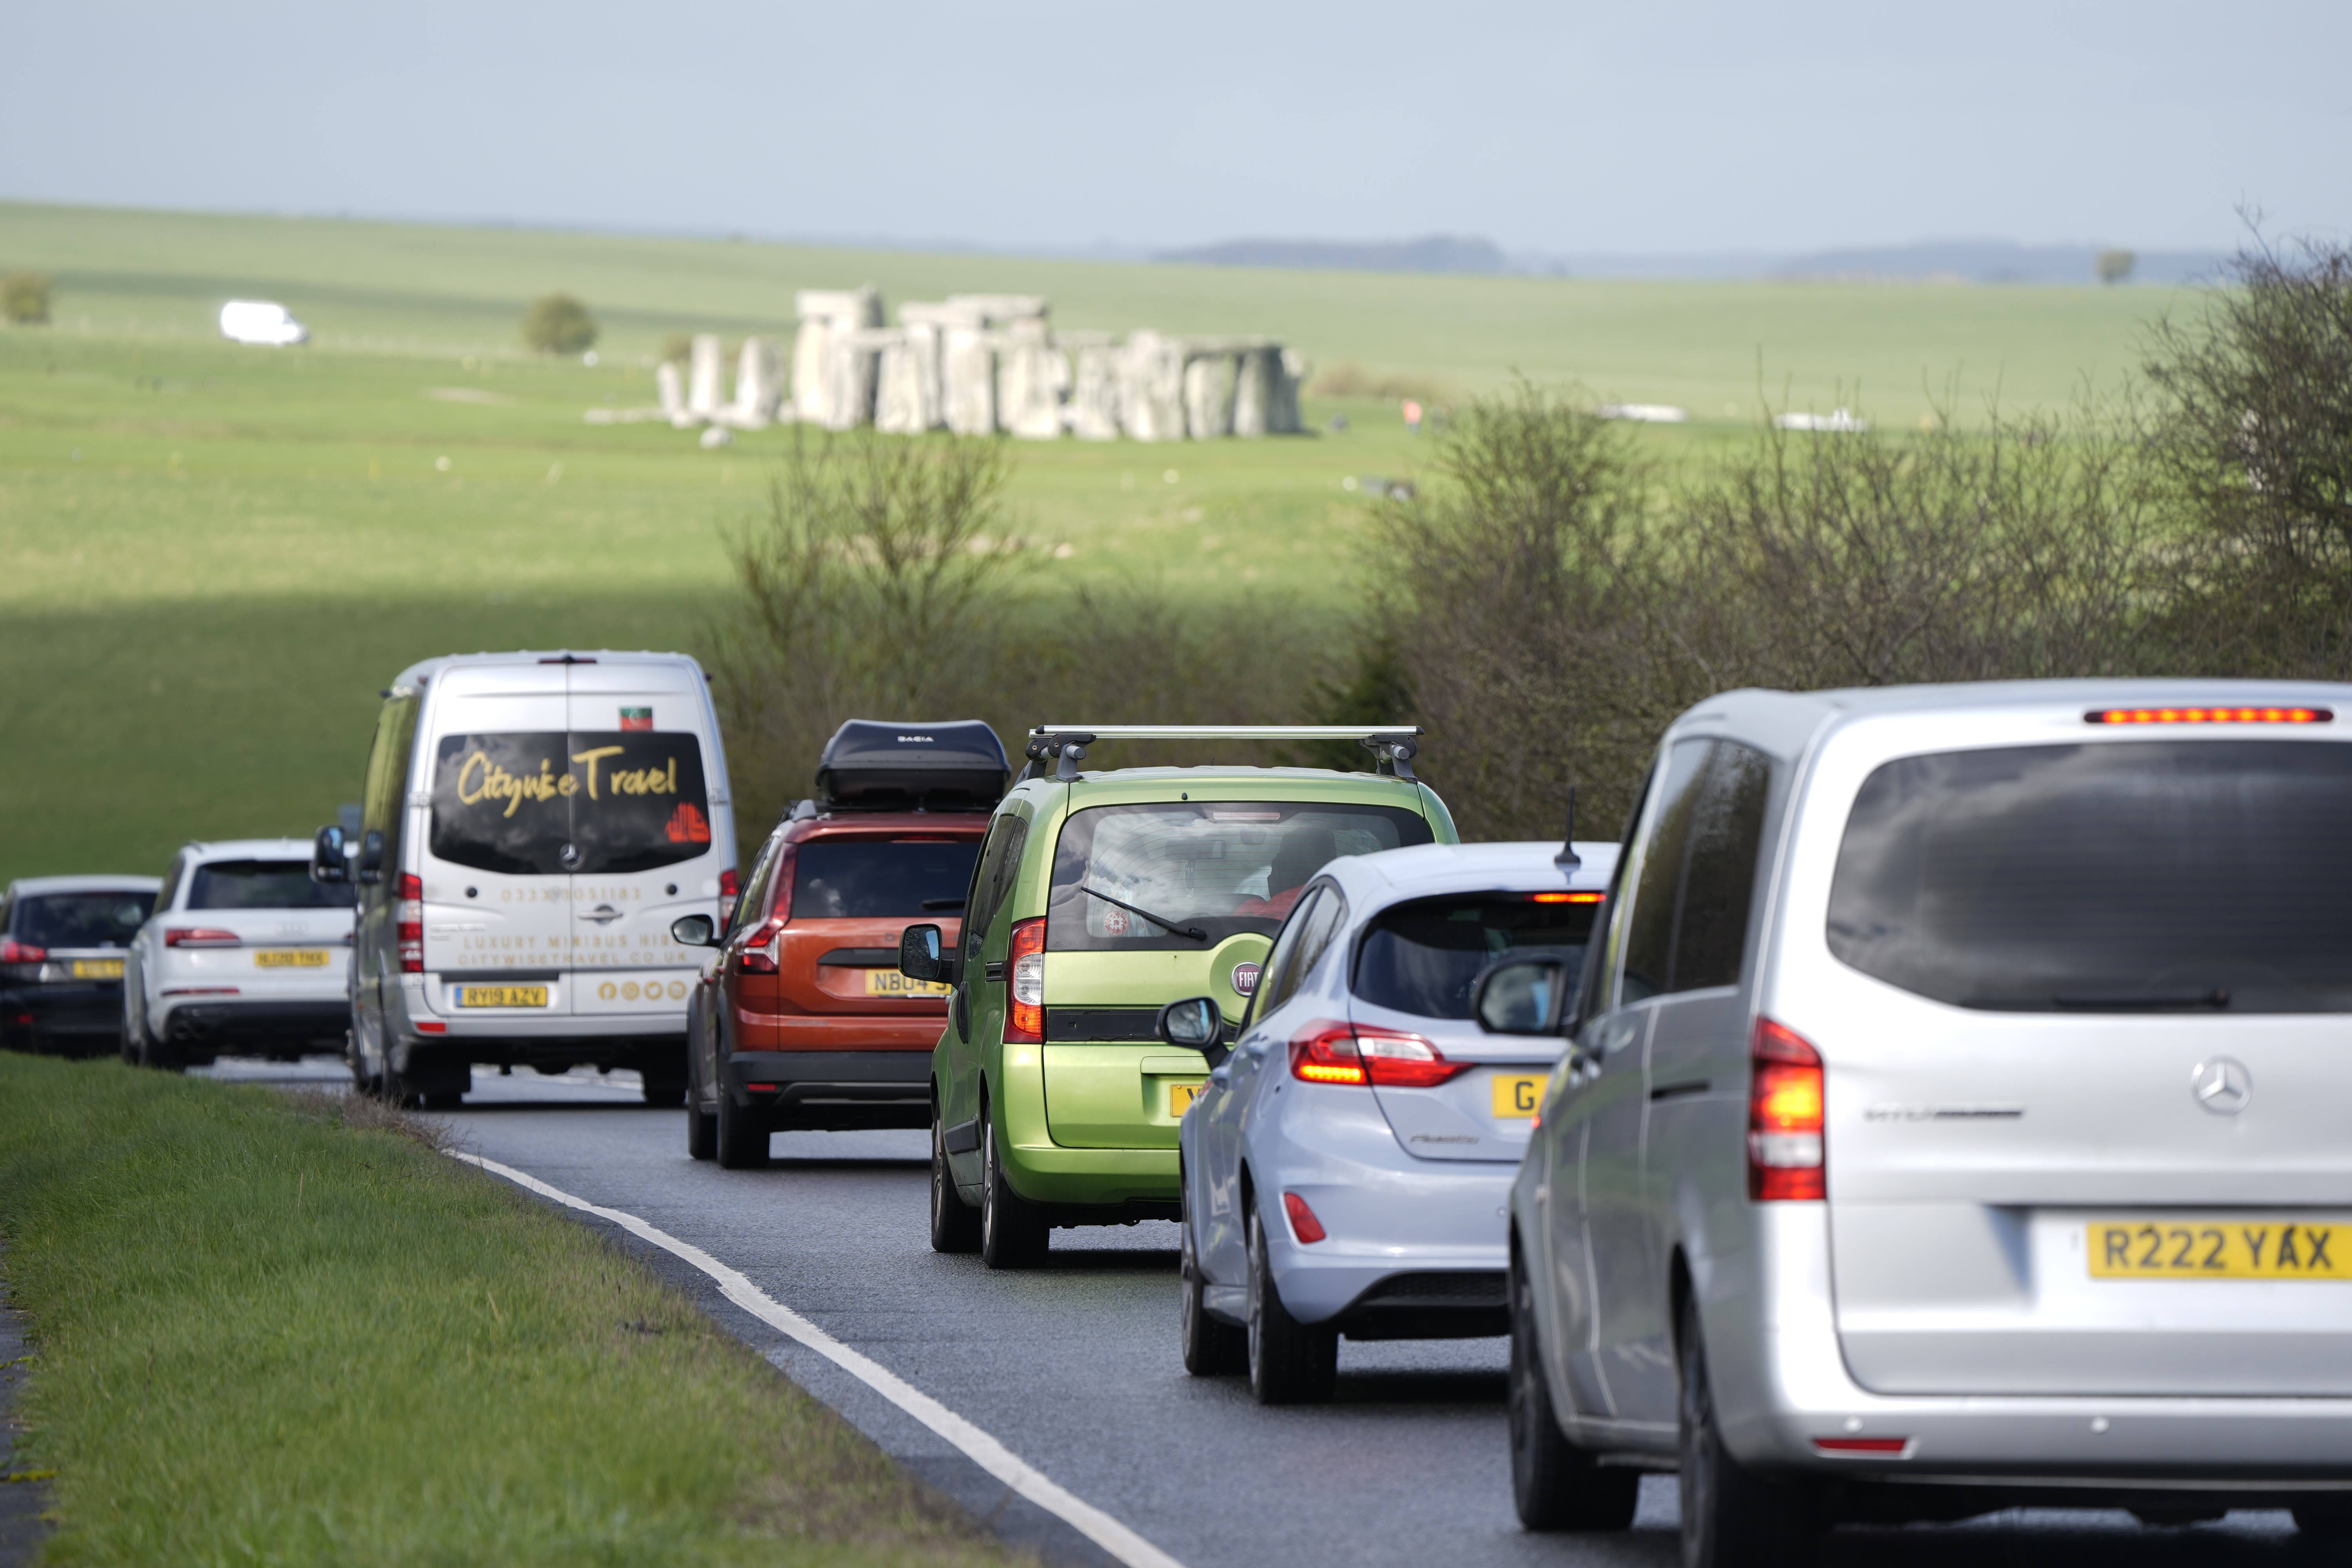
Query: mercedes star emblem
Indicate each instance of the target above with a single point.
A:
(2223, 1086)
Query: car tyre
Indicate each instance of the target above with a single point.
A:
(742, 1140)
(2328, 1518)
(701, 1131)
(663, 1083)
(1732, 1517)
(1555, 1485)
(955, 1224)
(1213, 1347)
(1012, 1233)
(1290, 1362)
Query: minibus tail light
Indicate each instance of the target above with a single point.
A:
(408, 922)
(1787, 1160)
(1025, 987)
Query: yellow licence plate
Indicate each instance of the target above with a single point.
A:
(2220, 1249)
(97, 969)
(1517, 1094)
(890, 983)
(502, 996)
(1181, 1097)
(291, 958)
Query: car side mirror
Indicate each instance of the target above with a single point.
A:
(1520, 996)
(1196, 1024)
(693, 930)
(328, 862)
(923, 955)
(371, 855)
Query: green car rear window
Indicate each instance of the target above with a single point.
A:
(1218, 868)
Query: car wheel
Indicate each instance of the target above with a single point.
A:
(661, 1077)
(702, 1126)
(2328, 1517)
(955, 1224)
(442, 1100)
(1012, 1233)
(1555, 1485)
(1290, 1362)
(1732, 1517)
(1213, 1348)
(741, 1139)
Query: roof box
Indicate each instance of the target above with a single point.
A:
(870, 765)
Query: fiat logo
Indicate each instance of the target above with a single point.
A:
(1245, 979)
(2223, 1086)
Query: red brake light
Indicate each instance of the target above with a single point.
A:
(1025, 988)
(1570, 898)
(408, 922)
(431, 1027)
(1302, 1223)
(1326, 1051)
(200, 936)
(730, 885)
(759, 952)
(780, 885)
(2209, 716)
(1892, 1447)
(1787, 1158)
(14, 951)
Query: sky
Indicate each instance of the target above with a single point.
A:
(1566, 128)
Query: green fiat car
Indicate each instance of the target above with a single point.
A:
(1100, 897)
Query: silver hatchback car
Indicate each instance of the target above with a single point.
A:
(1346, 1170)
(1955, 1117)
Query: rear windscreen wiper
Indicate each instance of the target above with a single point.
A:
(2145, 1001)
(1196, 932)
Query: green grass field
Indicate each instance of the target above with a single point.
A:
(216, 555)
(264, 1336)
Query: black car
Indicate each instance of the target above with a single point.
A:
(61, 941)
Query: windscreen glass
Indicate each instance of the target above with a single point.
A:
(1216, 867)
(545, 803)
(81, 919)
(1424, 957)
(901, 880)
(262, 885)
(2161, 875)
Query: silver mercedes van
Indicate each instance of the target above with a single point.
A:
(1955, 1117)
(533, 824)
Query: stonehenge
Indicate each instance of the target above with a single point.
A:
(984, 365)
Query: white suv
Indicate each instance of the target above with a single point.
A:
(244, 954)
(1955, 1118)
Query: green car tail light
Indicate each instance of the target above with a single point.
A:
(1024, 999)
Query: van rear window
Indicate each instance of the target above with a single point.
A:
(1219, 867)
(547, 802)
(2164, 876)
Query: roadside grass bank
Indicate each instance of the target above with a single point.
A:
(282, 1331)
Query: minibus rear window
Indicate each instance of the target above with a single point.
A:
(546, 803)
(2142, 876)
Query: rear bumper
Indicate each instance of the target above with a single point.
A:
(836, 1090)
(84, 1008)
(221, 1024)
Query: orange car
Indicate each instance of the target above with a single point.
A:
(801, 1019)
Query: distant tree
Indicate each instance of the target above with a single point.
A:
(2252, 434)
(678, 348)
(2116, 265)
(25, 298)
(559, 325)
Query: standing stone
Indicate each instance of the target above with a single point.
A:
(1031, 377)
(1253, 389)
(758, 386)
(817, 365)
(968, 380)
(1281, 415)
(1152, 387)
(1209, 384)
(673, 394)
(1094, 395)
(705, 370)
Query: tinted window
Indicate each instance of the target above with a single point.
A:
(81, 919)
(989, 880)
(262, 885)
(1221, 868)
(1424, 957)
(1331, 912)
(382, 810)
(2155, 875)
(1649, 941)
(1718, 882)
(546, 803)
(753, 904)
(905, 879)
(1275, 982)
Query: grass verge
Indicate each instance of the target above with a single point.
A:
(268, 1332)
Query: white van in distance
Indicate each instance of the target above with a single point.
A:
(531, 824)
(262, 321)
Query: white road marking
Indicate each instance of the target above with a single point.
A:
(976, 1445)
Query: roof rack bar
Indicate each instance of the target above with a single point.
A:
(1228, 732)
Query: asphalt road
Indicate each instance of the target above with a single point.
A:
(1075, 1369)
